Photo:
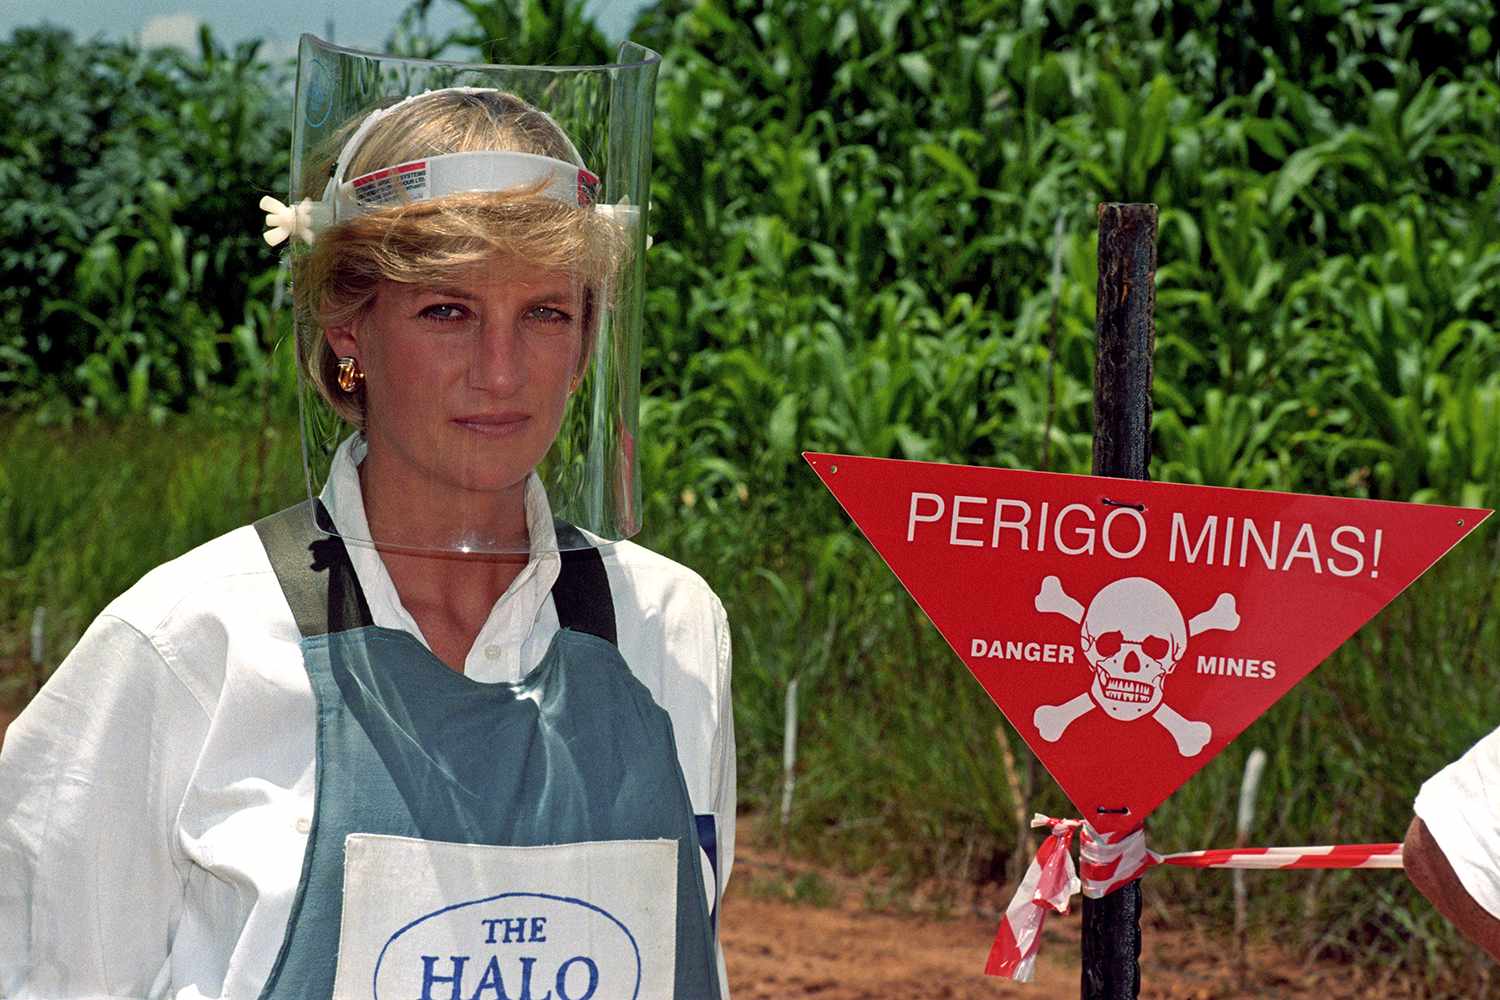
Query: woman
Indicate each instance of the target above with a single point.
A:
(413, 738)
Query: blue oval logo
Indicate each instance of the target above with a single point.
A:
(511, 946)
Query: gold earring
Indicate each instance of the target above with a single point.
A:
(350, 375)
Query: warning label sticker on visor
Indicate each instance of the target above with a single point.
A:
(403, 182)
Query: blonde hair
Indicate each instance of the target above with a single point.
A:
(435, 240)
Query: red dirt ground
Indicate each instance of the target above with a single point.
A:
(778, 949)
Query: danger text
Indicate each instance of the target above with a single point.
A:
(1025, 652)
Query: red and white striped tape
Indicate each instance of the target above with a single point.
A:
(1049, 883)
(1110, 861)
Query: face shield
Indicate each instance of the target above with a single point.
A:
(466, 248)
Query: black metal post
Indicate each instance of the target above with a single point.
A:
(1125, 335)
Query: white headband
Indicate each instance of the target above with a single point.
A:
(434, 177)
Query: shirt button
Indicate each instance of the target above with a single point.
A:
(303, 824)
(493, 651)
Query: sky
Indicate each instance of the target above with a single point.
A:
(356, 23)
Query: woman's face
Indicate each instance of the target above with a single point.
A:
(466, 381)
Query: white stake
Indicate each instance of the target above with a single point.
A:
(38, 637)
(38, 649)
(1255, 764)
(789, 753)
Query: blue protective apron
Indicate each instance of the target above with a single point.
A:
(578, 751)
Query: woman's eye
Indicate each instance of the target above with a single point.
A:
(444, 312)
(549, 314)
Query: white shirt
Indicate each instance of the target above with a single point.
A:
(157, 794)
(1461, 807)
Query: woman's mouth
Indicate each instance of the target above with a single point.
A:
(494, 424)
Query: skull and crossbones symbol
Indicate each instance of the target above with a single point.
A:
(1133, 636)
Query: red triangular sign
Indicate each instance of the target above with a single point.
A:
(1130, 630)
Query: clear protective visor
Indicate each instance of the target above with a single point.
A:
(467, 251)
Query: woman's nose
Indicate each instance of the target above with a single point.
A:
(499, 363)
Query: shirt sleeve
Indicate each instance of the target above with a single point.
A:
(722, 761)
(91, 777)
(1461, 807)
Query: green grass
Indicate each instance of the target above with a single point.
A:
(86, 510)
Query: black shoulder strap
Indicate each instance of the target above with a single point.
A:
(313, 569)
(581, 592)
